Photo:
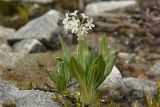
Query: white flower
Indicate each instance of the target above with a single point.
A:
(66, 19)
(75, 13)
(74, 20)
(84, 16)
(75, 25)
(67, 15)
(84, 30)
(90, 24)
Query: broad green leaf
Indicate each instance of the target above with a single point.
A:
(104, 46)
(66, 50)
(106, 59)
(109, 64)
(97, 71)
(101, 70)
(82, 52)
(89, 60)
(92, 74)
(77, 71)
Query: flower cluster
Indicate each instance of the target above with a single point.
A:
(76, 25)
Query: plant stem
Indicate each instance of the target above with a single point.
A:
(88, 95)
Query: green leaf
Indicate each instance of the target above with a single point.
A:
(89, 60)
(77, 71)
(52, 76)
(66, 50)
(104, 46)
(83, 52)
(97, 71)
(92, 74)
(110, 61)
(66, 71)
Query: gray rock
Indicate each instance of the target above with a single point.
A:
(94, 9)
(6, 33)
(29, 46)
(31, 98)
(117, 88)
(25, 98)
(154, 71)
(46, 29)
(139, 88)
(113, 85)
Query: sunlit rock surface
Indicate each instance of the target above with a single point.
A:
(113, 86)
(96, 8)
(45, 28)
(29, 46)
(10, 94)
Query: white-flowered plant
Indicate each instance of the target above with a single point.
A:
(88, 68)
(78, 24)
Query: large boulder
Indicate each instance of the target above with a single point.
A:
(46, 29)
(11, 95)
(29, 46)
(97, 8)
(113, 85)
(139, 88)
(129, 89)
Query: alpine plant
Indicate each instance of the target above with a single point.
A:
(87, 67)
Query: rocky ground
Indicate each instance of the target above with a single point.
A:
(132, 31)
